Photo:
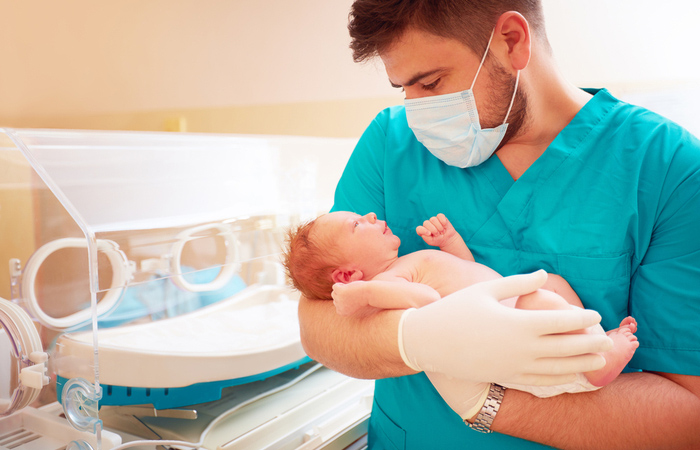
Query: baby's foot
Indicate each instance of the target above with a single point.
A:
(630, 322)
(625, 344)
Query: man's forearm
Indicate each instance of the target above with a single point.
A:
(361, 347)
(636, 411)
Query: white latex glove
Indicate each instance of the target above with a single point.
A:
(470, 335)
(464, 397)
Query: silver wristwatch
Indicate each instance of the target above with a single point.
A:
(484, 419)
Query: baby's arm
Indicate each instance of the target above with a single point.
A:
(439, 232)
(349, 298)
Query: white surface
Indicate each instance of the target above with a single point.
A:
(184, 179)
(5, 364)
(601, 43)
(253, 332)
(324, 410)
(36, 429)
(27, 369)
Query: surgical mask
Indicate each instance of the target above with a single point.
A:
(448, 125)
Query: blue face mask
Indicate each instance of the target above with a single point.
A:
(448, 125)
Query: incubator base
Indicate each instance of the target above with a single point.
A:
(163, 398)
(252, 335)
(44, 429)
(325, 410)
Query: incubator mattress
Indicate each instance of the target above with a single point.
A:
(254, 332)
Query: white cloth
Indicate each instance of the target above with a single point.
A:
(580, 384)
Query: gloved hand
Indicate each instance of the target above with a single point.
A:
(471, 336)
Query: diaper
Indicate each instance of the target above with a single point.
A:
(580, 384)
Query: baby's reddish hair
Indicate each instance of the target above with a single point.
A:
(308, 262)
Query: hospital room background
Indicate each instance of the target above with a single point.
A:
(150, 80)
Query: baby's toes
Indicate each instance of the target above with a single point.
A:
(629, 322)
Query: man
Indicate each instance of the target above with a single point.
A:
(577, 183)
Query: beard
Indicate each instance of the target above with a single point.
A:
(500, 91)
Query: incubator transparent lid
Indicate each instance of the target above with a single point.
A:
(104, 229)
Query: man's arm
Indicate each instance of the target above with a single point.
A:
(361, 346)
(636, 411)
(367, 346)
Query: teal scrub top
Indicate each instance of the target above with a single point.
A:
(612, 205)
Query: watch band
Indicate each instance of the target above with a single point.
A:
(484, 419)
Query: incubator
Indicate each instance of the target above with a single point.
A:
(144, 297)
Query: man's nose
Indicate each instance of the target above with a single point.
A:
(371, 217)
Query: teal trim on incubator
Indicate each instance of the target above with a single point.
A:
(165, 398)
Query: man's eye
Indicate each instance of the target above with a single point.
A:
(356, 224)
(431, 86)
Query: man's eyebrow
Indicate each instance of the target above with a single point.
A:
(417, 77)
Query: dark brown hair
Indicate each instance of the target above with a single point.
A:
(376, 24)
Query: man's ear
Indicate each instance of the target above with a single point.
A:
(346, 276)
(514, 31)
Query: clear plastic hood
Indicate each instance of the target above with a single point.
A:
(112, 234)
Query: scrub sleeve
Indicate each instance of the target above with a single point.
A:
(612, 206)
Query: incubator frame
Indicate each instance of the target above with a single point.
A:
(122, 273)
(188, 187)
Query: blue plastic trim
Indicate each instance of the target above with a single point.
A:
(165, 398)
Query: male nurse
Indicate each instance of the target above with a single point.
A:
(535, 174)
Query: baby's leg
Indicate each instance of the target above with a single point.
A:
(542, 299)
(625, 342)
(556, 283)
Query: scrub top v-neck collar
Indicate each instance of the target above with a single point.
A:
(515, 195)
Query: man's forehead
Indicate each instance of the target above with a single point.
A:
(418, 53)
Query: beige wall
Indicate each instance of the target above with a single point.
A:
(333, 118)
(275, 66)
(251, 66)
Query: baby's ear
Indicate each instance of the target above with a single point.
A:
(357, 275)
(346, 276)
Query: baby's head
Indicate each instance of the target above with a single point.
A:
(308, 260)
(338, 247)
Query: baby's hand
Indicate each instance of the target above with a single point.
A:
(437, 231)
(348, 298)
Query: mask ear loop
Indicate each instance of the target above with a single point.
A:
(481, 64)
(512, 100)
(483, 58)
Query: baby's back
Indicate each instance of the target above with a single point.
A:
(442, 271)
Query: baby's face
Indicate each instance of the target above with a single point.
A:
(361, 239)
